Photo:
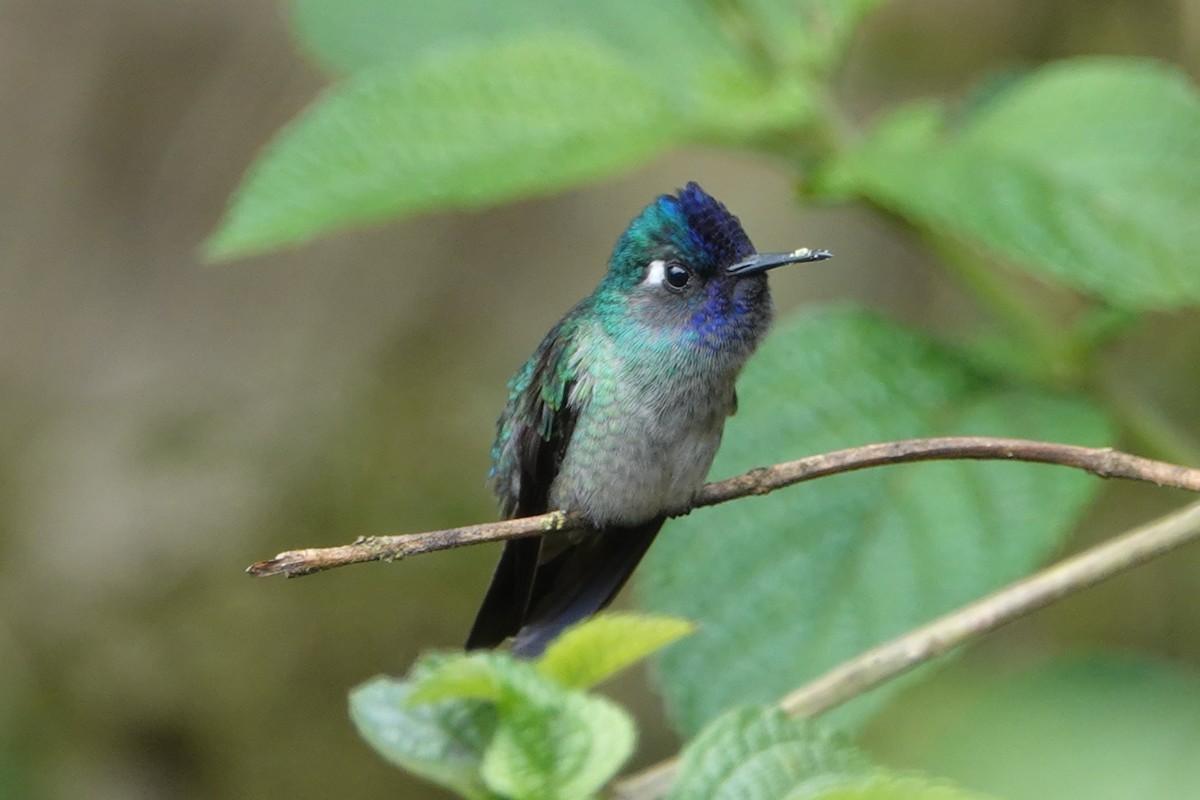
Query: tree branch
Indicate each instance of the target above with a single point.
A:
(882, 663)
(1103, 462)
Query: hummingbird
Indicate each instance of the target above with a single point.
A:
(618, 413)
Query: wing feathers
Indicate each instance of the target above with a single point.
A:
(532, 438)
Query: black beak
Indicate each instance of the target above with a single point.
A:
(761, 262)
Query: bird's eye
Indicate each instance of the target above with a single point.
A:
(677, 276)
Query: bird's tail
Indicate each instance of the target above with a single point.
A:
(581, 580)
(503, 609)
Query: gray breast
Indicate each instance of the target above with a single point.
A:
(643, 443)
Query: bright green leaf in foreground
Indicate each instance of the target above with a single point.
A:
(474, 676)
(548, 742)
(442, 743)
(486, 724)
(476, 127)
(557, 746)
(786, 586)
(1086, 172)
(602, 646)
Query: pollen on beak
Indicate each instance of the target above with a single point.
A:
(761, 262)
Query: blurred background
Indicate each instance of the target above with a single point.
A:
(164, 422)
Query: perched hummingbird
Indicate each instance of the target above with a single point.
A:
(619, 412)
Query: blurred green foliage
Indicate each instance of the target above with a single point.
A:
(1084, 174)
(432, 117)
(1102, 726)
(761, 754)
(822, 572)
(488, 725)
(162, 424)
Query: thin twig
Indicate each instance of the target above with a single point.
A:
(1104, 462)
(882, 663)
(295, 563)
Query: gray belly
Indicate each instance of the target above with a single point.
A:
(633, 464)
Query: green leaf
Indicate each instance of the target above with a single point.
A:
(592, 651)
(787, 586)
(477, 127)
(469, 676)
(489, 725)
(354, 35)
(703, 39)
(762, 754)
(565, 748)
(885, 786)
(551, 743)
(1102, 726)
(710, 74)
(1086, 173)
(442, 743)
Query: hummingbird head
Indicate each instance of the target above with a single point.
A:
(686, 268)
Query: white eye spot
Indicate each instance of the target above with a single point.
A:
(655, 273)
